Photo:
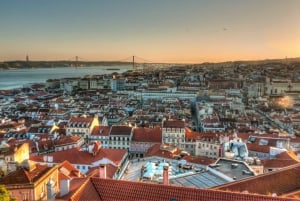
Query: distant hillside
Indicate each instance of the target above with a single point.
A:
(52, 64)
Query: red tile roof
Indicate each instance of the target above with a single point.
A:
(100, 131)
(190, 134)
(110, 171)
(142, 134)
(120, 130)
(173, 124)
(284, 159)
(114, 190)
(75, 156)
(156, 150)
(24, 176)
(258, 148)
(81, 120)
(69, 170)
(75, 185)
(63, 140)
(281, 182)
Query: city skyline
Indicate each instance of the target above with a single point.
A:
(159, 31)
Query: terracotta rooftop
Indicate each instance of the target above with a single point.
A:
(173, 124)
(75, 185)
(190, 134)
(120, 130)
(81, 120)
(62, 140)
(24, 176)
(100, 131)
(110, 171)
(156, 150)
(69, 170)
(258, 148)
(142, 134)
(75, 156)
(281, 182)
(113, 190)
(283, 159)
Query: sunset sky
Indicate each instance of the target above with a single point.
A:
(157, 30)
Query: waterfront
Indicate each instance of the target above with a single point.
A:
(16, 78)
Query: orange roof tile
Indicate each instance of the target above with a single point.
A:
(120, 130)
(75, 156)
(81, 119)
(190, 134)
(155, 150)
(110, 171)
(281, 182)
(108, 190)
(142, 134)
(173, 124)
(258, 148)
(283, 159)
(75, 185)
(69, 170)
(24, 176)
(100, 131)
(62, 140)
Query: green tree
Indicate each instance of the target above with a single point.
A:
(5, 195)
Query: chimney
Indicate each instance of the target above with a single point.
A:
(102, 171)
(166, 175)
(64, 187)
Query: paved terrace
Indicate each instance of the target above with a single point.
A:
(198, 177)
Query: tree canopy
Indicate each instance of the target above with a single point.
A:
(5, 195)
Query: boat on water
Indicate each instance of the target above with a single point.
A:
(112, 69)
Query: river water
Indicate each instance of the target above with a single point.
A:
(16, 78)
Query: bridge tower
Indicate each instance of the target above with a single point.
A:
(133, 64)
(76, 61)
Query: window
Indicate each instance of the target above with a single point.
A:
(25, 196)
(263, 142)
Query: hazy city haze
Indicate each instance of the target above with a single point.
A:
(160, 31)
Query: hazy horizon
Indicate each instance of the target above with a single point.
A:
(168, 31)
(111, 61)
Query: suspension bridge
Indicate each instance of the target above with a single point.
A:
(138, 63)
